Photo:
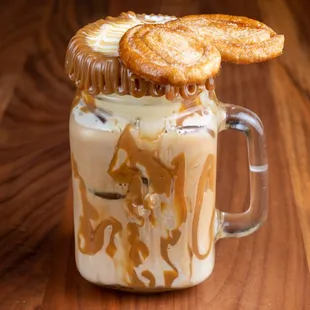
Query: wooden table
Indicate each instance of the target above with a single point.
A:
(267, 270)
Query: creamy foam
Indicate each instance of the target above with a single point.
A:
(154, 115)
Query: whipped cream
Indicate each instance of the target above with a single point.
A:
(106, 39)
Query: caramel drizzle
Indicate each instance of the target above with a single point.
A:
(128, 172)
(137, 253)
(207, 180)
(76, 99)
(135, 281)
(93, 237)
(148, 275)
(180, 213)
(89, 101)
(179, 198)
(165, 243)
(94, 72)
(138, 248)
(190, 254)
(96, 236)
(85, 109)
(162, 180)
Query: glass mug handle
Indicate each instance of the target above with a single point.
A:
(243, 224)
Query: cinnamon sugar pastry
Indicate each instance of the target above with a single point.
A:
(168, 56)
(239, 39)
(158, 55)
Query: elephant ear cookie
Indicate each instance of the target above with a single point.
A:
(239, 39)
(169, 55)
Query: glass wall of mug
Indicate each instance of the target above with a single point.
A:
(144, 174)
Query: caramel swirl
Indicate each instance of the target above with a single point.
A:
(128, 172)
(136, 253)
(138, 249)
(179, 195)
(148, 180)
(165, 243)
(160, 180)
(95, 237)
(148, 275)
(90, 240)
(207, 180)
(93, 64)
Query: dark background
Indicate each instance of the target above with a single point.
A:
(267, 270)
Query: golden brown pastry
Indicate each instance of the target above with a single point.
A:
(239, 39)
(164, 56)
(168, 55)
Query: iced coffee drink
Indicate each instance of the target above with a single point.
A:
(143, 137)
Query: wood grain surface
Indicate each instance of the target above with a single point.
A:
(267, 270)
